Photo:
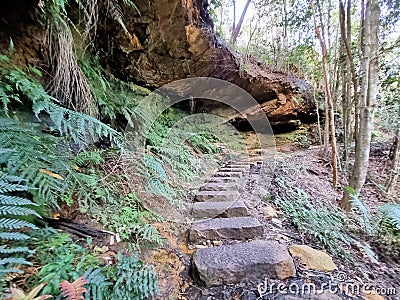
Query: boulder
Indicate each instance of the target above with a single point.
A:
(312, 258)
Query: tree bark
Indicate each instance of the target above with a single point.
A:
(328, 95)
(345, 21)
(236, 31)
(368, 96)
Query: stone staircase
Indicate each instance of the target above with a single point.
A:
(222, 218)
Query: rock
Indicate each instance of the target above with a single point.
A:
(270, 212)
(228, 209)
(371, 295)
(216, 196)
(221, 186)
(231, 264)
(238, 228)
(312, 258)
(326, 295)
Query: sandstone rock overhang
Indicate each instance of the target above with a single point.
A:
(175, 39)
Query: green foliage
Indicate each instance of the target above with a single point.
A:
(99, 286)
(130, 223)
(361, 215)
(46, 163)
(130, 279)
(302, 140)
(390, 214)
(81, 128)
(312, 217)
(61, 259)
(114, 97)
(89, 158)
(136, 281)
(13, 210)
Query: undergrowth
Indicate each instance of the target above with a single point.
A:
(62, 260)
(332, 227)
(312, 217)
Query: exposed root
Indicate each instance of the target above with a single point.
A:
(68, 83)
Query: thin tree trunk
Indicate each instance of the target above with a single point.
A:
(328, 95)
(318, 118)
(234, 17)
(345, 30)
(395, 166)
(346, 105)
(236, 31)
(368, 96)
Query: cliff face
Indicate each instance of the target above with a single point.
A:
(174, 39)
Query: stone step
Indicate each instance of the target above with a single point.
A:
(237, 228)
(223, 179)
(229, 174)
(237, 163)
(216, 196)
(236, 169)
(222, 186)
(232, 264)
(203, 210)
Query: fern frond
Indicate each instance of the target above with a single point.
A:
(135, 280)
(17, 211)
(392, 213)
(10, 208)
(82, 128)
(89, 157)
(16, 250)
(74, 290)
(98, 286)
(11, 187)
(15, 261)
(16, 236)
(15, 224)
(362, 211)
(14, 200)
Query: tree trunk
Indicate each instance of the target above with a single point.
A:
(395, 166)
(368, 96)
(234, 17)
(345, 21)
(236, 31)
(328, 95)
